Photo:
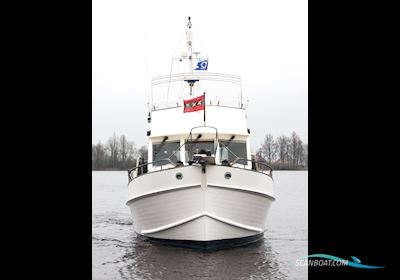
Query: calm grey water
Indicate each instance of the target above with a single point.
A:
(117, 253)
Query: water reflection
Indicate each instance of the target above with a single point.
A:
(145, 260)
(118, 254)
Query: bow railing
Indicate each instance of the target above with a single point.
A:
(256, 165)
(142, 168)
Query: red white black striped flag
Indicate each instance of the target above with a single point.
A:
(195, 104)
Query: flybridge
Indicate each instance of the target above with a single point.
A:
(222, 89)
(169, 91)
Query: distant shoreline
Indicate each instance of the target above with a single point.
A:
(282, 153)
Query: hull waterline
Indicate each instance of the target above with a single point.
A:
(208, 246)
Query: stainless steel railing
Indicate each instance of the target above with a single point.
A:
(257, 165)
(140, 169)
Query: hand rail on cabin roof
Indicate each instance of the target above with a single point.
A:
(222, 77)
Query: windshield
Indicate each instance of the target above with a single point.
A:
(199, 147)
(164, 151)
(230, 150)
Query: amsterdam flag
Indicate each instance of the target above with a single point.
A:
(194, 104)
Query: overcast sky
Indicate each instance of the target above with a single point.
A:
(263, 41)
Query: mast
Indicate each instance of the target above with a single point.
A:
(189, 40)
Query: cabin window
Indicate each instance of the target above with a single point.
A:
(166, 150)
(230, 150)
(198, 147)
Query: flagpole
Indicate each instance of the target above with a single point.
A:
(204, 94)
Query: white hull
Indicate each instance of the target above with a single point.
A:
(200, 206)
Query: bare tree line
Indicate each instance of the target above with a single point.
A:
(117, 154)
(284, 152)
(281, 153)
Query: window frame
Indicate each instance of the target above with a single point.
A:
(187, 145)
(231, 152)
(155, 152)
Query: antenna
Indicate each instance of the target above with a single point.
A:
(189, 39)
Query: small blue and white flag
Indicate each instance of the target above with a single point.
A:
(202, 64)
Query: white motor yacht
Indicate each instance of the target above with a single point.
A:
(200, 186)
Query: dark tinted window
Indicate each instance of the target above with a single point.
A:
(230, 150)
(165, 150)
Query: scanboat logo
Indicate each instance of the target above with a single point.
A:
(328, 260)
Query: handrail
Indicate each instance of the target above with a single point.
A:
(131, 175)
(253, 161)
(174, 106)
(189, 141)
(196, 76)
(186, 142)
(216, 143)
